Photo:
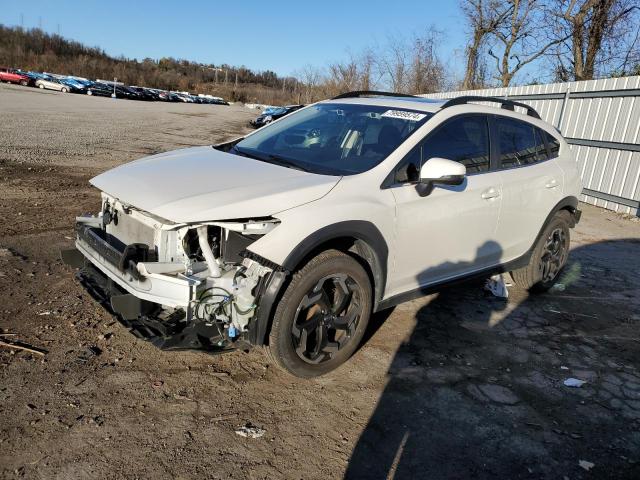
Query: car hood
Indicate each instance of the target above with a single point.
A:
(204, 184)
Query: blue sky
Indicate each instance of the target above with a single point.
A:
(282, 36)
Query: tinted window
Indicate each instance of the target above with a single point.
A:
(542, 154)
(333, 139)
(554, 144)
(520, 143)
(462, 139)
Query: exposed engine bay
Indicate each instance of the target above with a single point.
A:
(178, 285)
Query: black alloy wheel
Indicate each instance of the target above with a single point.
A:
(326, 319)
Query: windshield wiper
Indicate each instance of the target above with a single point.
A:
(270, 158)
(285, 162)
(244, 153)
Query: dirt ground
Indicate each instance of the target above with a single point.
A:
(455, 385)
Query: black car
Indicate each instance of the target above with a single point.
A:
(147, 94)
(99, 89)
(273, 113)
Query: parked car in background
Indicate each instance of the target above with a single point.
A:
(143, 93)
(162, 95)
(99, 89)
(11, 75)
(273, 113)
(74, 85)
(51, 83)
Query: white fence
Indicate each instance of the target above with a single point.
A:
(601, 121)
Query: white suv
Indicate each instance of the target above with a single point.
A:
(292, 236)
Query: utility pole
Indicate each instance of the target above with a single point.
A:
(226, 76)
(22, 21)
(236, 79)
(40, 23)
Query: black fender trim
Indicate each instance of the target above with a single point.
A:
(372, 246)
(570, 203)
(270, 292)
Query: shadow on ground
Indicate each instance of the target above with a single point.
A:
(477, 390)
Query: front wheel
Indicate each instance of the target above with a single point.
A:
(64, 90)
(322, 316)
(549, 256)
(41, 86)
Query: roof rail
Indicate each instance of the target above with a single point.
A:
(370, 93)
(506, 104)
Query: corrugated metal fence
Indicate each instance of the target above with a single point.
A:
(601, 121)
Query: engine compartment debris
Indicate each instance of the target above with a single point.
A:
(574, 382)
(497, 285)
(250, 431)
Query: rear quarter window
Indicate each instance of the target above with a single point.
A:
(554, 145)
(520, 143)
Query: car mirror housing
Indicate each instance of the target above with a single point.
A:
(440, 171)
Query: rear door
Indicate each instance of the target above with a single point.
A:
(450, 231)
(532, 183)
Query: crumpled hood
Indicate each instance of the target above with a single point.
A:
(203, 184)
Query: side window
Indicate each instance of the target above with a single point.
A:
(554, 144)
(542, 151)
(520, 143)
(464, 139)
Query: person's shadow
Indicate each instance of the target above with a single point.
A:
(476, 391)
(401, 429)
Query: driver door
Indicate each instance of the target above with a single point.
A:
(450, 231)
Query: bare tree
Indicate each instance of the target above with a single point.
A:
(484, 17)
(602, 36)
(427, 71)
(310, 78)
(411, 64)
(519, 39)
(395, 65)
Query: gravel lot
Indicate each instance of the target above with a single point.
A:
(455, 385)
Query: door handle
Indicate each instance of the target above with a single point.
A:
(553, 183)
(490, 193)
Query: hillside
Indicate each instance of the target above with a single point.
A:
(39, 51)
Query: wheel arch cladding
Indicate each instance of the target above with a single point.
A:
(367, 243)
(569, 204)
(360, 238)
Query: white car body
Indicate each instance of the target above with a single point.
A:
(412, 241)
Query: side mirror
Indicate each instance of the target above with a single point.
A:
(440, 171)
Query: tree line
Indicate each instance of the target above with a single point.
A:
(506, 40)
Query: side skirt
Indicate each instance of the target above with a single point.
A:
(434, 287)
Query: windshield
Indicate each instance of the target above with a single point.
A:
(333, 139)
(275, 111)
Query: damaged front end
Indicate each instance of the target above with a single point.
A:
(180, 286)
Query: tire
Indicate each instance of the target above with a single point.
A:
(89, 92)
(41, 86)
(64, 90)
(322, 315)
(549, 256)
(24, 83)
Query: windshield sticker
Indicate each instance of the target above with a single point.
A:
(403, 115)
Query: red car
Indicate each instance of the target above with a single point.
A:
(11, 76)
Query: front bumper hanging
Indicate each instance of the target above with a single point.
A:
(106, 271)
